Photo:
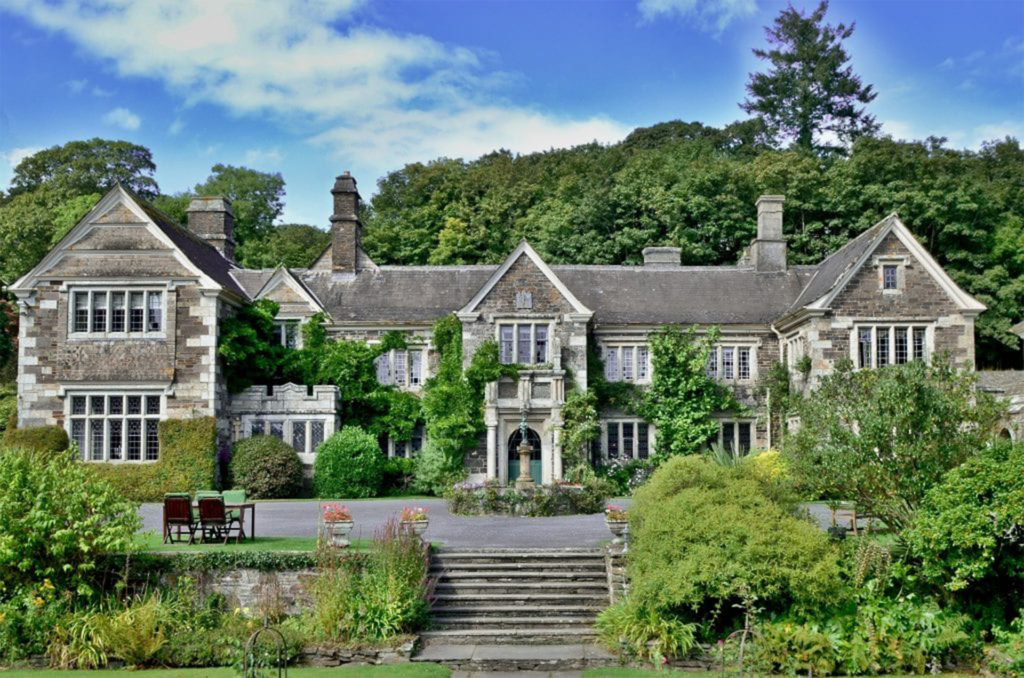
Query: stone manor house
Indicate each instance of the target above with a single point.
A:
(119, 328)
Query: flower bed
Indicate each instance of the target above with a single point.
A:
(490, 498)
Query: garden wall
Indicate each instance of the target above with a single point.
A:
(283, 591)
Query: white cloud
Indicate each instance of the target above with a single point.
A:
(11, 158)
(710, 15)
(76, 86)
(123, 118)
(366, 92)
(100, 92)
(996, 131)
(176, 126)
(263, 158)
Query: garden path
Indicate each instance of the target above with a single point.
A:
(299, 519)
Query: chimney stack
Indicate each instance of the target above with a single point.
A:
(768, 251)
(210, 218)
(346, 230)
(662, 257)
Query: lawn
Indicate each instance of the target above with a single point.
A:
(392, 671)
(151, 541)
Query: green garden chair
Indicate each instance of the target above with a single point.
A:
(234, 497)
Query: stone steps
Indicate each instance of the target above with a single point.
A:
(503, 657)
(529, 635)
(492, 610)
(508, 621)
(598, 600)
(524, 589)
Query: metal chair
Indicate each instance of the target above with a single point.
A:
(178, 516)
(215, 521)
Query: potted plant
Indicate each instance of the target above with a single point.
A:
(337, 524)
(415, 519)
(616, 519)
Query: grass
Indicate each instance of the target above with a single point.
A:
(622, 672)
(389, 671)
(152, 542)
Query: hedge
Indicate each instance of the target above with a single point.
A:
(37, 438)
(188, 457)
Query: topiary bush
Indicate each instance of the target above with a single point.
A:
(188, 459)
(349, 464)
(37, 438)
(706, 538)
(266, 468)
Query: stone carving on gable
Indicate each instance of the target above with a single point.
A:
(524, 300)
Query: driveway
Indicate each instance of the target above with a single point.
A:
(299, 519)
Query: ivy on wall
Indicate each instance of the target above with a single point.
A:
(682, 398)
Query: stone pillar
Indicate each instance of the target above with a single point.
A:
(556, 453)
(492, 451)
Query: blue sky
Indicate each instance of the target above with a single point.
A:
(312, 88)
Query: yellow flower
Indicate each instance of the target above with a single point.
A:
(39, 602)
(47, 584)
(3, 616)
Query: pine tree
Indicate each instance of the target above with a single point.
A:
(810, 95)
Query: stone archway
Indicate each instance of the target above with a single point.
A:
(533, 438)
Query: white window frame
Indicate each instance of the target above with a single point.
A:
(86, 452)
(107, 292)
(796, 349)
(639, 369)
(717, 354)
(890, 328)
(410, 380)
(281, 328)
(634, 453)
(516, 323)
(735, 424)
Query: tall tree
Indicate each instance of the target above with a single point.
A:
(83, 167)
(810, 94)
(257, 198)
(31, 223)
(294, 245)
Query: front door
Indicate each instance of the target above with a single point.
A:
(513, 455)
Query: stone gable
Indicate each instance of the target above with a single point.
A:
(119, 236)
(118, 214)
(921, 295)
(290, 300)
(524, 276)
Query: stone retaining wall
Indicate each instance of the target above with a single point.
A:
(257, 591)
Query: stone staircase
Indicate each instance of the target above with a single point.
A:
(516, 609)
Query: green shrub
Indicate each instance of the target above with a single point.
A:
(348, 464)
(436, 471)
(188, 460)
(875, 634)
(37, 438)
(706, 538)
(1009, 659)
(397, 475)
(375, 598)
(56, 522)
(638, 631)
(27, 619)
(266, 468)
(966, 536)
(546, 500)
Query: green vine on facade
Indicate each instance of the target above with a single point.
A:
(682, 398)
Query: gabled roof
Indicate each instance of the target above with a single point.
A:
(837, 270)
(282, 276)
(524, 249)
(1018, 329)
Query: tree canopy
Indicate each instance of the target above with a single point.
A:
(810, 93)
(84, 167)
(294, 245)
(257, 198)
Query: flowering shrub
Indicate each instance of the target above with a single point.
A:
(335, 513)
(615, 514)
(413, 514)
(475, 498)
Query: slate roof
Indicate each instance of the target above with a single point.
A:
(204, 255)
(1003, 383)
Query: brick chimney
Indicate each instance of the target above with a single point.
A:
(768, 252)
(346, 229)
(211, 219)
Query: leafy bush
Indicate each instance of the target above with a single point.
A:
(43, 439)
(968, 536)
(914, 423)
(623, 475)
(876, 634)
(348, 464)
(1009, 648)
(266, 468)
(643, 632)
(375, 598)
(436, 471)
(397, 475)
(27, 619)
(56, 522)
(708, 537)
(188, 459)
(546, 500)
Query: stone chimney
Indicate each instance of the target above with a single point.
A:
(768, 251)
(661, 257)
(211, 219)
(346, 229)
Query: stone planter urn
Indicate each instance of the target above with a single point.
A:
(337, 532)
(418, 527)
(617, 528)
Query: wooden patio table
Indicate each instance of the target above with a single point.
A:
(241, 518)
